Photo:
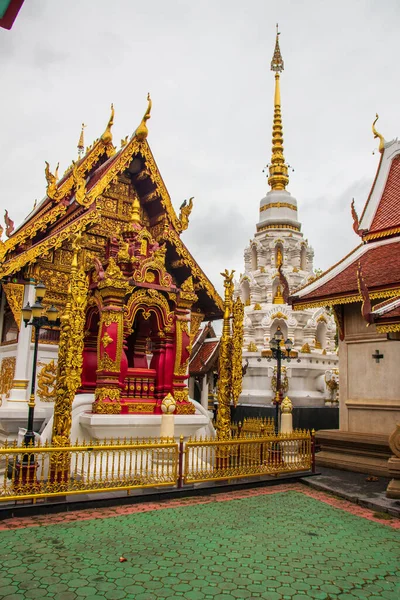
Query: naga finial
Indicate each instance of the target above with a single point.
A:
(80, 185)
(81, 143)
(142, 131)
(51, 179)
(107, 135)
(378, 135)
(9, 224)
(185, 210)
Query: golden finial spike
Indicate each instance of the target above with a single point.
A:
(378, 135)
(278, 169)
(107, 135)
(81, 143)
(142, 131)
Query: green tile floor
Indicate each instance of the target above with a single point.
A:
(283, 545)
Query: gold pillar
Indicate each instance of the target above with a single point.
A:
(225, 364)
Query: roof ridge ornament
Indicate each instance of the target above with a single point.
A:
(278, 169)
(142, 131)
(378, 135)
(51, 179)
(81, 142)
(107, 135)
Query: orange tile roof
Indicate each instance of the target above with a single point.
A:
(380, 268)
(203, 356)
(388, 213)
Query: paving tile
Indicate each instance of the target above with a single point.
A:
(286, 542)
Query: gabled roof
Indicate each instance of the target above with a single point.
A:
(380, 263)
(379, 254)
(77, 204)
(381, 214)
(386, 315)
(205, 358)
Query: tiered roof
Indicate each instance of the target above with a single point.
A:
(75, 203)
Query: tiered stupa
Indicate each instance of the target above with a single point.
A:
(279, 255)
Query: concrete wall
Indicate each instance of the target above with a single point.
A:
(369, 391)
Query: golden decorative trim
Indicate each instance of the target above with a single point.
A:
(141, 407)
(7, 371)
(20, 384)
(185, 409)
(46, 383)
(279, 315)
(278, 205)
(237, 349)
(45, 216)
(54, 241)
(252, 347)
(70, 351)
(345, 299)
(382, 234)
(393, 328)
(15, 297)
(265, 227)
(257, 306)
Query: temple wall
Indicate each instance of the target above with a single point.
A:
(369, 390)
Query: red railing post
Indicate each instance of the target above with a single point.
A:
(180, 462)
(313, 451)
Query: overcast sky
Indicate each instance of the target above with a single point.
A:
(207, 67)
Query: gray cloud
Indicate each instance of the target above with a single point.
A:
(206, 65)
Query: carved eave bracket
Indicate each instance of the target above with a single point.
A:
(15, 297)
(366, 308)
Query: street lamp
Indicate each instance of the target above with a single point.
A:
(279, 354)
(37, 317)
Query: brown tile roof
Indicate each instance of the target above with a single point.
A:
(206, 354)
(380, 268)
(388, 213)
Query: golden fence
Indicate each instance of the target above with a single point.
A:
(45, 471)
(212, 460)
(253, 425)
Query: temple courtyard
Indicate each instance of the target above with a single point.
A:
(285, 541)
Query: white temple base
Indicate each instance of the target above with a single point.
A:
(99, 427)
(87, 426)
(13, 419)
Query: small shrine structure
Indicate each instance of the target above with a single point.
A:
(277, 261)
(141, 293)
(363, 290)
(203, 366)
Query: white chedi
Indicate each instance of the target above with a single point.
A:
(279, 243)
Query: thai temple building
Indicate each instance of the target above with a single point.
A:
(277, 261)
(107, 228)
(363, 290)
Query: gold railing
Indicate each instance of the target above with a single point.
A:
(211, 460)
(253, 425)
(45, 471)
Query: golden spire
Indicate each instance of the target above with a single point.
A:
(81, 143)
(278, 170)
(142, 131)
(378, 135)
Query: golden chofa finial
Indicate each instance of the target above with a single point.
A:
(142, 131)
(81, 143)
(107, 135)
(278, 169)
(378, 135)
(51, 179)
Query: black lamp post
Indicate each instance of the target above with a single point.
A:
(279, 354)
(40, 318)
